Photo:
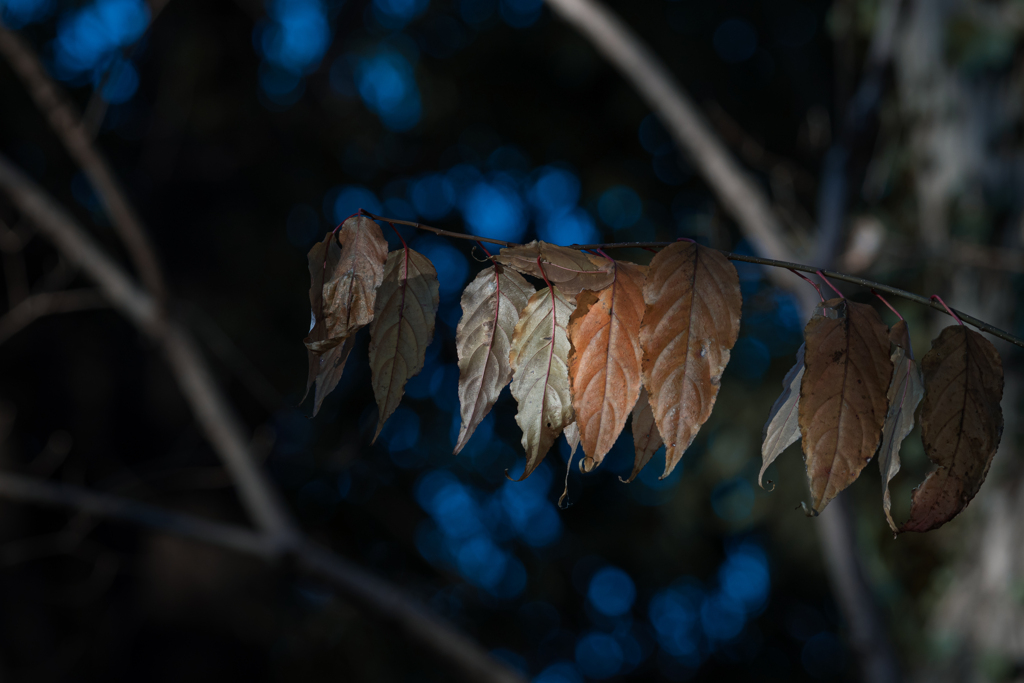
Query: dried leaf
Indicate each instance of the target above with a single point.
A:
(491, 305)
(402, 327)
(352, 273)
(328, 367)
(572, 437)
(782, 429)
(317, 258)
(842, 395)
(646, 439)
(905, 391)
(572, 271)
(961, 424)
(540, 373)
(604, 366)
(692, 321)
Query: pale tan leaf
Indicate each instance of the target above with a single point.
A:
(646, 439)
(692, 321)
(402, 327)
(961, 424)
(783, 426)
(570, 270)
(905, 391)
(540, 373)
(572, 437)
(843, 395)
(491, 305)
(605, 362)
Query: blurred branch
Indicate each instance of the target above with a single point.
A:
(64, 120)
(32, 490)
(736, 190)
(48, 303)
(208, 405)
(361, 587)
(279, 535)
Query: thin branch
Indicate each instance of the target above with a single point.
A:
(47, 303)
(65, 121)
(787, 265)
(368, 591)
(208, 404)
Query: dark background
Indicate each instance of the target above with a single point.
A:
(243, 133)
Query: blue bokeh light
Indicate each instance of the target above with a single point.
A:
(611, 591)
(19, 13)
(750, 358)
(350, 199)
(722, 617)
(735, 41)
(555, 190)
(119, 82)
(619, 207)
(88, 41)
(433, 195)
(297, 35)
(387, 84)
(493, 208)
(571, 227)
(402, 430)
(395, 14)
(675, 614)
(653, 136)
(744, 577)
(452, 266)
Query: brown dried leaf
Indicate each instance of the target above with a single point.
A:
(604, 365)
(646, 439)
(540, 373)
(961, 424)
(402, 327)
(343, 285)
(570, 270)
(843, 395)
(327, 368)
(782, 429)
(491, 305)
(692, 321)
(905, 391)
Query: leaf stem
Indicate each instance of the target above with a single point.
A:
(959, 316)
(829, 283)
(948, 309)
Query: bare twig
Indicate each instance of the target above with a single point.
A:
(785, 265)
(48, 303)
(64, 120)
(217, 420)
(375, 595)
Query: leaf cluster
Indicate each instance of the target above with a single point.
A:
(604, 339)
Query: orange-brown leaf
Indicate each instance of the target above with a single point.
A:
(692, 321)
(843, 394)
(905, 391)
(961, 424)
(572, 271)
(402, 327)
(604, 366)
(540, 373)
(646, 439)
(491, 305)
